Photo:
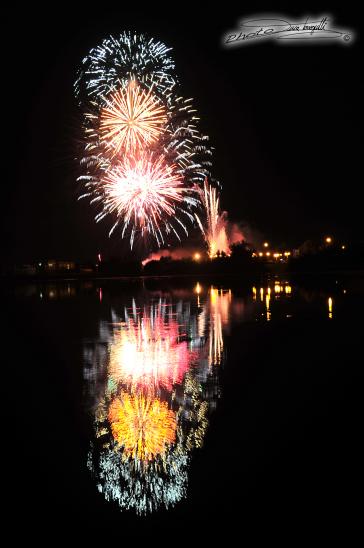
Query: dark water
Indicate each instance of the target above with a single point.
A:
(143, 402)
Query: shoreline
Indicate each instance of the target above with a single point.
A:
(243, 275)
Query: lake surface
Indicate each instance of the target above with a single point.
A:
(157, 401)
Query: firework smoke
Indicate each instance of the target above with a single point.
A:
(175, 254)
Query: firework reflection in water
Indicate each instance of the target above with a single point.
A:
(161, 359)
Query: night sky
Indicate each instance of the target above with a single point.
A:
(284, 122)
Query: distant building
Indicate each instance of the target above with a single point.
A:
(53, 265)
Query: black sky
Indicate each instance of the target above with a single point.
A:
(285, 123)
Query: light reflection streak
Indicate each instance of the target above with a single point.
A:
(275, 292)
(267, 304)
(219, 315)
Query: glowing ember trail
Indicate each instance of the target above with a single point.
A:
(132, 119)
(144, 427)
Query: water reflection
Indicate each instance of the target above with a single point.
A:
(153, 379)
(329, 303)
(161, 358)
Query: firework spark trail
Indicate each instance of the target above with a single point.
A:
(215, 231)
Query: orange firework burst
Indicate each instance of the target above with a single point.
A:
(143, 426)
(143, 191)
(132, 118)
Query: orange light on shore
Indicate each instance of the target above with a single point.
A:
(266, 244)
(197, 256)
(328, 239)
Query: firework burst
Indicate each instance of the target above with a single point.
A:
(143, 154)
(144, 193)
(131, 119)
(115, 62)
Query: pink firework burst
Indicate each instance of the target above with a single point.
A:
(145, 193)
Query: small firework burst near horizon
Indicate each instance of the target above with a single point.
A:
(215, 230)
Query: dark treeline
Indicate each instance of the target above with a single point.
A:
(308, 258)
